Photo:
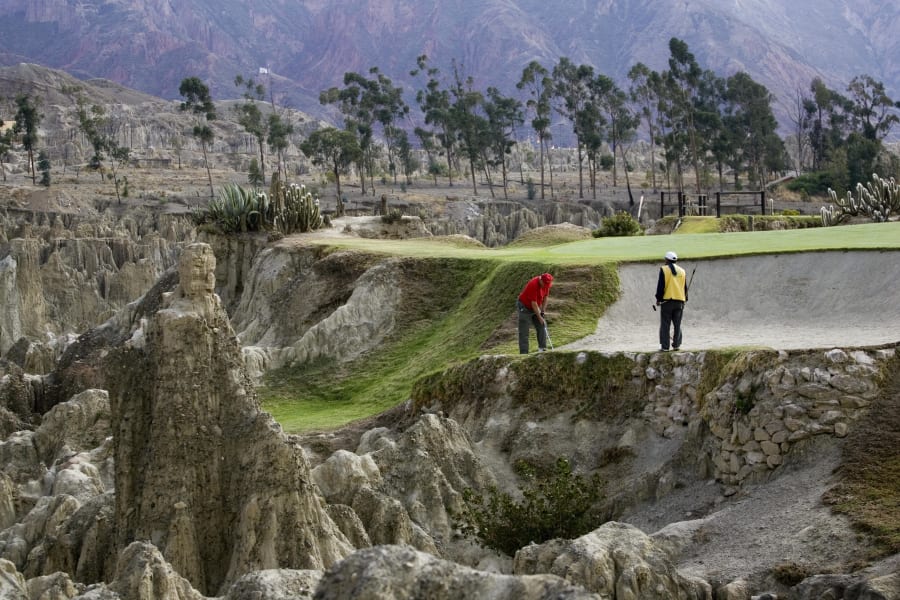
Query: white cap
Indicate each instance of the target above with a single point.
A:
(671, 256)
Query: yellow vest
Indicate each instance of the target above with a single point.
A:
(675, 284)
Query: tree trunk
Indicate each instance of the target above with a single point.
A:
(549, 169)
(541, 144)
(208, 172)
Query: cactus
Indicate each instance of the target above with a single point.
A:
(300, 212)
(292, 208)
(879, 200)
(286, 209)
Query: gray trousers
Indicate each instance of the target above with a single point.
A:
(526, 320)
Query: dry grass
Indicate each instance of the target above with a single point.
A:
(869, 488)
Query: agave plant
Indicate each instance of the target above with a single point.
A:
(236, 209)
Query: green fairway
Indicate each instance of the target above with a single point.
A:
(870, 236)
(474, 288)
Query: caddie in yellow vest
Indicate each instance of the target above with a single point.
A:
(671, 294)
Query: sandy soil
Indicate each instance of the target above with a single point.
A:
(781, 301)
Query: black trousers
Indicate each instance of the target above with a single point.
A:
(670, 313)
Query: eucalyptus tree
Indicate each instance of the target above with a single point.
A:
(752, 127)
(405, 155)
(536, 79)
(874, 111)
(645, 92)
(683, 85)
(873, 116)
(26, 124)
(831, 114)
(95, 125)
(364, 103)
(250, 117)
(6, 139)
(390, 108)
(334, 149)
(621, 122)
(432, 148)
(198, 102)
(355, 104)
(504, 114)
(592, 125)
(469, 124)
(571, 89)
(92, 121)
(801, 121)
(707, 108)
(621, 129)
(435, 102)
(278, 138)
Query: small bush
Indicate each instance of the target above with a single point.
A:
(621, 224)
(615, 454)
(811, 184)
(43, 166)
(395, 215)
(790, 573)
(531, 191)
(560, 506)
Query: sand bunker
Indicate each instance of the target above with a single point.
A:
(781, 301)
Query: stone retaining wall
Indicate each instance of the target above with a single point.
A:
(763, 402)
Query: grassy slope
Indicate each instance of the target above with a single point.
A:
(459, 297)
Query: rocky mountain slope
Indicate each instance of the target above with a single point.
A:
(308, 46)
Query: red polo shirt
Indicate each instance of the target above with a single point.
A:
(534, 292)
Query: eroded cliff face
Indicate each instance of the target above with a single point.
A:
(201, 471)
(174, 482)
(704, 415)
(61, 275)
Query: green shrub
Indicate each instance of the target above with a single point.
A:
(621, 224)
(44, 167)
(811, 184)
(394, 215)
(254, 175)
(560, 506)
(531, 191)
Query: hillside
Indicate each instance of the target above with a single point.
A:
(308, 46)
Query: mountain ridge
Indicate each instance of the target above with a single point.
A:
(307, 45)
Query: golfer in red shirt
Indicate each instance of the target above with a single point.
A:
(530, 308)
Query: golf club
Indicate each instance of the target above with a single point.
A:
(547, 334)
